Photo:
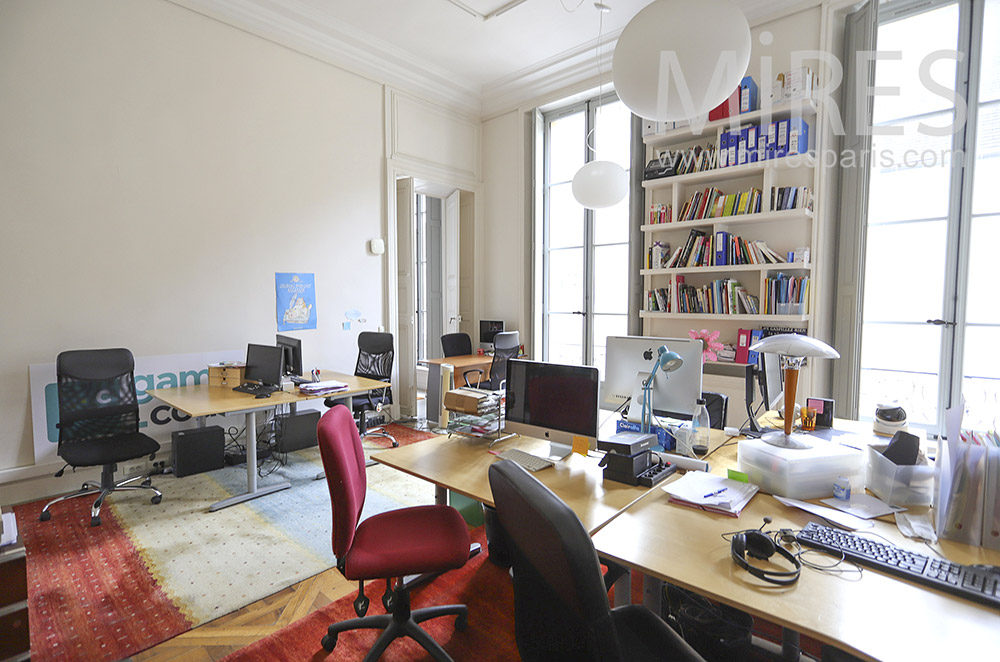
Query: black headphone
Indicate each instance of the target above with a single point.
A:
(758, 545)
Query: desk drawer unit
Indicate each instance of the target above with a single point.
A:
(14, 642)
(225, 376)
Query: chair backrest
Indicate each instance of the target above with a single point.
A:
(506, 345)
(561, 607)
(717, 405)
(506, 340)
(97, 396)
(375, 355)
(456, 344)
(344, 464)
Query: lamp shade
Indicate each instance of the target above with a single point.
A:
(668, 361)
(678, 59)
(795, 344)
(600, 184)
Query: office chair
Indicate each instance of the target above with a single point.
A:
(561, 607)
(375, 356)
(99, 422)
(456, 344)
(390, 545)
(717, 405)
(506, 345)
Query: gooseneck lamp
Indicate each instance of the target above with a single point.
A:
(792, 348)
(666, 361)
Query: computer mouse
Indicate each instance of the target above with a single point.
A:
(262, 395)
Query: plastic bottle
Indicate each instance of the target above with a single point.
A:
(700, 427)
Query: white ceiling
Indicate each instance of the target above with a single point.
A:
(453, 48)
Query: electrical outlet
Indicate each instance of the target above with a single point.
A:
(134, 468)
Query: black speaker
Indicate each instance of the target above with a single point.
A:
(297, 431)
(198, 450)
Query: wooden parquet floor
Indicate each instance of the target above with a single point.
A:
(216, 639)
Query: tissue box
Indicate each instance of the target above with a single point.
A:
(663, 436)
(899, 485)
(806, 473)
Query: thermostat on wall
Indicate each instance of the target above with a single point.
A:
(376, 246)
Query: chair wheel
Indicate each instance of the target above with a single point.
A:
(147, 483)
(462, 623)
(395, 444)
(95, 521)
(45, 516)
(329, 643)
(157, 498)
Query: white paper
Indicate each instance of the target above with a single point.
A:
(706, 489)
(916, 526)
(841, 519)
(9, 529)
(864, 506)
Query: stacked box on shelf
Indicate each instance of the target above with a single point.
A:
(786, 295)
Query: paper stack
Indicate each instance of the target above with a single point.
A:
(474, 401)
(322, 388)
(705, 491)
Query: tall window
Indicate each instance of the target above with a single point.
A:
(585, 252)
(931, 325)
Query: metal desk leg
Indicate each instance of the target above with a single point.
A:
(440, 495)
(252, 491)
(434, 393)
(652, 593)
(623, 590)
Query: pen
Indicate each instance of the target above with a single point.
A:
(715, 493)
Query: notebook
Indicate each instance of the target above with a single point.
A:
(706, 491)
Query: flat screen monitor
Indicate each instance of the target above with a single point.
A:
(630, 358)
(771, 380)
(292, 349)
(552, 401)
(488, 329)
(264, 364)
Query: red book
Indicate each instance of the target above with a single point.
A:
(742, 344)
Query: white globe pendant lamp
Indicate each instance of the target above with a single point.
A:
(600, 184)
(679, 59)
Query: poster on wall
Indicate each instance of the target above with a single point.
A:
(295, 295)
(155, 418)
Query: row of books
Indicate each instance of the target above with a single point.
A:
(658, 300)
(714, 203)
(786, 295)
(686, 161)
(753, 143)
(724, 296)
(657, 255)
(791, 197)
(660, 213)
(720, 249)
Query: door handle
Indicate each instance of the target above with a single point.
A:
(578, 312)
(940, 323)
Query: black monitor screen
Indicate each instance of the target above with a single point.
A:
(552, 401)
(488, 329)
(292, 348)
(264, 364)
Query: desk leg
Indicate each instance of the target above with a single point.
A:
(252, 491)
(652, 593)
(623, 589)
(440, 495)
(433, 393)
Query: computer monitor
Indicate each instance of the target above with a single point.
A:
(630, 358)
(292, 351)
(488, 329)
(552, 401)
(771, 380)
(263, 364)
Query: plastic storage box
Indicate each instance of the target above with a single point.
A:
(807, 473)
(899, 485)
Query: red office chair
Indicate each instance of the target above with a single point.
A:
(390, 545)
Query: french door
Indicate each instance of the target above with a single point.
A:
(585, 251)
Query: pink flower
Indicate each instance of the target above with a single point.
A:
(712, 344)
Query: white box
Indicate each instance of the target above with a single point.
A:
(806, 473)
(899, 485)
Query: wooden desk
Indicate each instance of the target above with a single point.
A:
(875, 617)
(202, 400)
(461, 464)
(461, 364)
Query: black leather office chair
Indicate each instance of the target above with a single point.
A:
(99, 422)
(456, 344)
(506, 345)
(375, 357)
(561, 607)
(717, 405)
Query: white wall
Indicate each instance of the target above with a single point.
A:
(158, 168)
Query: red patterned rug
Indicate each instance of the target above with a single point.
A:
(404, 435)
(484, 587)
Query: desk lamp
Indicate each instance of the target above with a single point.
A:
(793, 348)
(666, 361)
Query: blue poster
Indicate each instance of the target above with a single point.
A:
(296, 299)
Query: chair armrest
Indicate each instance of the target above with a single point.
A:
(379, 392)
(479, 380)
(614, 573)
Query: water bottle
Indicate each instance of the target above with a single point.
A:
(700, 427)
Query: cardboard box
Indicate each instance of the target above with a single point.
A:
(469, 401)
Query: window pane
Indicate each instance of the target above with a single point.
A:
(565, 218)
(981, 385)
(611, 223)
(916, 393)
(566, 339)
(613, 138)
(565, 147)
(989, 85)
(987, 169)
(565, 280)
(904, 268)
(611, 279)
(982, 298)
(915, 38)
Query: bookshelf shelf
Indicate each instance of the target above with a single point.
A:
(760, 319)
(738, 219)
(793, 161)
(727, 268)
(804, 108)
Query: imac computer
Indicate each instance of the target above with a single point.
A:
(771, 380)
(630, 361)
(553, 402)
(292, 351)
(488, 329)
(264, 364)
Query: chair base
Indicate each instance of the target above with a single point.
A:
(103, 489)
(402, 622)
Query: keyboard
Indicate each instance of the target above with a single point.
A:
(256, 389)
(977, 583)
(526, 460)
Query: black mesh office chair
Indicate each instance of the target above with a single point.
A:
(561, 607)
(99, 422)
(375, 357)
(506, 345)
(456, 344)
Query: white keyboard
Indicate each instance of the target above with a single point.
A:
(526, 460)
